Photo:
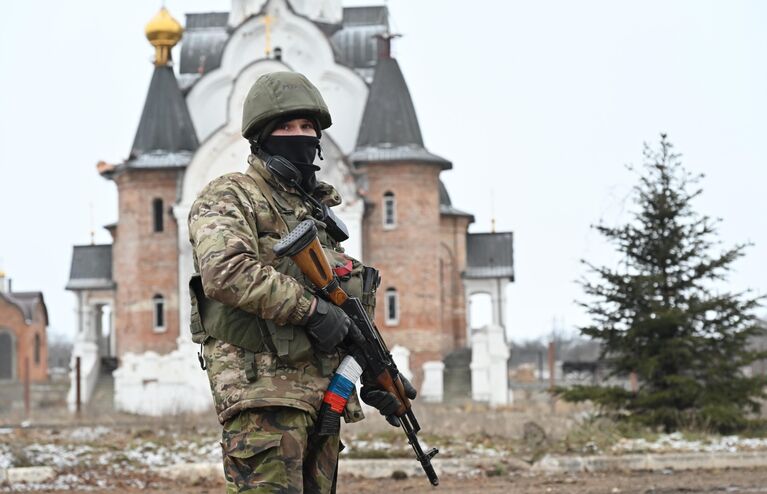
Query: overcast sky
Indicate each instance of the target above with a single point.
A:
(539, 105)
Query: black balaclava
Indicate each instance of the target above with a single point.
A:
(299, 150)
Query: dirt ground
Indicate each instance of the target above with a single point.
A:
(739, 481)
(112, 453)
(711, 481)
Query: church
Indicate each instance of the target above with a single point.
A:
(132, 294)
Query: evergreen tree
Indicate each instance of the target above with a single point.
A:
(664, 315)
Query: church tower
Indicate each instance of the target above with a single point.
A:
(145, 249)
(402, 228)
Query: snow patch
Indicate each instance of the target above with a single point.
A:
(676, 442)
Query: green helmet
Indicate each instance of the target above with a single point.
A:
(279, 95)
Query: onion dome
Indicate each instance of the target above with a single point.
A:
(163, 32)
(165, 137)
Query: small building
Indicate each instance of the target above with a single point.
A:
(23, 340)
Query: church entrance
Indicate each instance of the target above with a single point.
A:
(7, 355)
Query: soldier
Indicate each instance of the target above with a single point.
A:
(269, 345)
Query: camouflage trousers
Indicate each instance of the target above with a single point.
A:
(273, 450)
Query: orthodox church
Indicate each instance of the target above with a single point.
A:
(132, 295)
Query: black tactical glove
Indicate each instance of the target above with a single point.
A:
(385, 402)
(329, 325)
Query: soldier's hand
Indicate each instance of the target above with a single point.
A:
(385, 402)
(328, 325)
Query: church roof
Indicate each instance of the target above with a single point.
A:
(165, 129)
(366, 16)
(389, 129)
(203, 42)
(444, 197)
(446, 205)
(490, 255)
(91, 268)
(26, 302)
(356, 44)
(353, 41)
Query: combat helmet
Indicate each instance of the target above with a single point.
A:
(279, 95)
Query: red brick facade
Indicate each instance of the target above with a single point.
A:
(145, 262)
(23, 334)
(421, 256)
(452, 258)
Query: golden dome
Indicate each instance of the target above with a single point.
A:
(163, 29)
(163, 32)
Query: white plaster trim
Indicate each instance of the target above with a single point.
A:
(306, 49)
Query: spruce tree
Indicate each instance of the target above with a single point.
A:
(666, 314)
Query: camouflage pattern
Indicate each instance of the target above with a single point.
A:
(279, 95)
(272, 450)
(232, 229)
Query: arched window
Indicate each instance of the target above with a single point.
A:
(159, 313)
(157, 215)
(37, 349)
(389, 210)
(7, 355)
(392, 307)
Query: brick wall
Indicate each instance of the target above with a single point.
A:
(411, 258)
(23, 338)
(145, 262)
(452, 263)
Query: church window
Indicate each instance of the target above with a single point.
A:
(7, 355)
(392, 307)
(157, 215)
(389, 210)
(37, 349)
(158, 301)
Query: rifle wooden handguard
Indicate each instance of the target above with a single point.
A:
(397, 389)
(303, 246)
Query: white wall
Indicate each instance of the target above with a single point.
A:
(305, 49)
(327, 11)
(489, 366)
(155, 385)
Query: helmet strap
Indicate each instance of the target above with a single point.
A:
(255, 146)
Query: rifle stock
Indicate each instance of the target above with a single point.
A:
(372, 355)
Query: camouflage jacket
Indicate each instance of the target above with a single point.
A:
(256, 350)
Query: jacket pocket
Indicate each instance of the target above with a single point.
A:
(290, 342)
(253, 459)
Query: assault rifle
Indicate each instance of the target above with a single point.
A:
(368, 354)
